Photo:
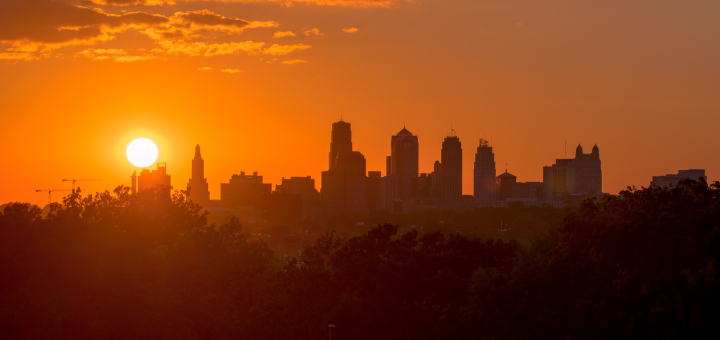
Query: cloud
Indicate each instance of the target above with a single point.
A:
(205, 68)
(352, 3)
(133, 58)
(50, 24)
(350, 30)
(283, 34)
(120, 56)
(203, 49)
(16, 56)
(296, 61)
(37, 27)
(276, 49)
(313, 31)
(233, 70)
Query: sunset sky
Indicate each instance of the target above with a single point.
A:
(258, 84)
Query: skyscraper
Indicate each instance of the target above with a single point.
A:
(404, 160)
(340, 140)
(198, 185)
(581, 175)
(484, 176)
(343, 185)
(451, 160)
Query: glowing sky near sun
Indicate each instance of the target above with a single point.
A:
(258, 83)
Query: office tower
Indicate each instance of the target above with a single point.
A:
(198, 185)
(588, 171)
(436, 177)
(451, 160)
(484, 176)
(390, 192)
(373, 190)
(581, 175)
(404, 160)
(343, 185)
(673, 179)
(504, 185)
(245, 191)
(340, 140)
(421, 186)
(158, 177)
(388, 165)
(304, 186)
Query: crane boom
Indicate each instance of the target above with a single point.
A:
(50, 191)
(78, 180)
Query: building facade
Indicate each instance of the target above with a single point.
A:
(484, 176)
(451, 160)
(581, 175)
(305, 187)
(158, 177)
(404, 160)
(673, 179)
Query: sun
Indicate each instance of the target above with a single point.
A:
(142, 152)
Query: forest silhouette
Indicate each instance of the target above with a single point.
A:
(149, 266)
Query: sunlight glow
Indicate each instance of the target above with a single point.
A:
(142, 152)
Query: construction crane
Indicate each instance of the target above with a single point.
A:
(50, 191)
(78, 180)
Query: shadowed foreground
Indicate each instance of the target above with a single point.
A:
(147, 266)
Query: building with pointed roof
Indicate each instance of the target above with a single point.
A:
(404, 161)
(198, 185)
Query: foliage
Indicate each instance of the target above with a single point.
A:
(147, 265)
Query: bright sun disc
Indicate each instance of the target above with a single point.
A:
(142, 152)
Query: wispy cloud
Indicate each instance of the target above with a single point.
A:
(313, 31)
(283, 34)
(353, 3)
(296, 61)
(205, 68)
(232, 70)
(350, 30)
(276, 49)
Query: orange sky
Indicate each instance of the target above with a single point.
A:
(638, 78)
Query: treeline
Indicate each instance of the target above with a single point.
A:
(148, 266)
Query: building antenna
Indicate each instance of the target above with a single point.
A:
(566, 148)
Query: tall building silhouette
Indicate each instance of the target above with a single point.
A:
(158, 177)
(484, 176)
(198, 185)
(373, 190)
(340, 140)
(404, 161)
(581, 175)
(343, 185)
(451, 160)
(304, 186)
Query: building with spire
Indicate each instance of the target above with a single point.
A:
(451, 160)
(198, 185)
(343, 185)
(404, 161)
(484, 193)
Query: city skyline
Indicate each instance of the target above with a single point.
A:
(637, 79)
(344, 137)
